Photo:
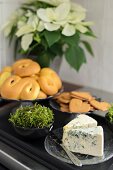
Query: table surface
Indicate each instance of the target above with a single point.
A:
(108, 165)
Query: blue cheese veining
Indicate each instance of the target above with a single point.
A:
(84, 140)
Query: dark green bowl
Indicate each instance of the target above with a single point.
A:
(32, 133)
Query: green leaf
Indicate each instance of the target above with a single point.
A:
(12, 34)
(30, 50)
(51, 54)
(88, 47)
(36, 4)
(37, 38)
(90, 33)
(16, 46)
(52, 37)
(75, 57)
(43, 59)
(71, 40)
(57, 49)
(27, 7)
(44, 43)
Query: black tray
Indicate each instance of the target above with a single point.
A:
(35, 148)
(3, 103)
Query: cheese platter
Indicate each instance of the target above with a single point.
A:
(54, 149)
(36, 149)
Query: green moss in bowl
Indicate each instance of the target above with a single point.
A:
(33, 120)
(109, 115)
(109, 118)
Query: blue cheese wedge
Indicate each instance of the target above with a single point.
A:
(81, 121)
(84, 140)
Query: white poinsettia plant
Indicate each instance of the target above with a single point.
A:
(41, 28)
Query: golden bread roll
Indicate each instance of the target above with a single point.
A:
(18, 62)
(35, 76)
(53, 75)
(7, 69)
(25, 67)
(30, 90)
(48, 85)
(4, 76)
(11, 89)
(42, 95)
(16, 87)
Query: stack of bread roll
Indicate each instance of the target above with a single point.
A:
(25, 80)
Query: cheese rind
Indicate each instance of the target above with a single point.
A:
(85, 141)
(81, 121)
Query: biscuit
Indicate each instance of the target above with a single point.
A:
(62, 100)
(83, 95)
(92, 108)
(65, 95)
(64, 105)
(78, 106)
(79, 102)
(104, 106)
(76, 97)
(64, 109)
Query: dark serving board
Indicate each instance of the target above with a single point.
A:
(3, 103)
(35, 148)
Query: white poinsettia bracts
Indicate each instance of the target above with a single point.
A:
(54, 14)
(12, 21)
(63, 16)
(54, 18)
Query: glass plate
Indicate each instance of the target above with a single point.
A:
(54, 149)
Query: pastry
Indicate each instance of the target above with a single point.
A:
(7, 69)
(25, 79)
(42, 95)
(4, 76)
(16, 87)
(51, 73)
(48, 85)
(30, 91)
(26, 67)
(11, 88)
(19, 62)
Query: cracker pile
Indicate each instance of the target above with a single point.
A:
(80, 102)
